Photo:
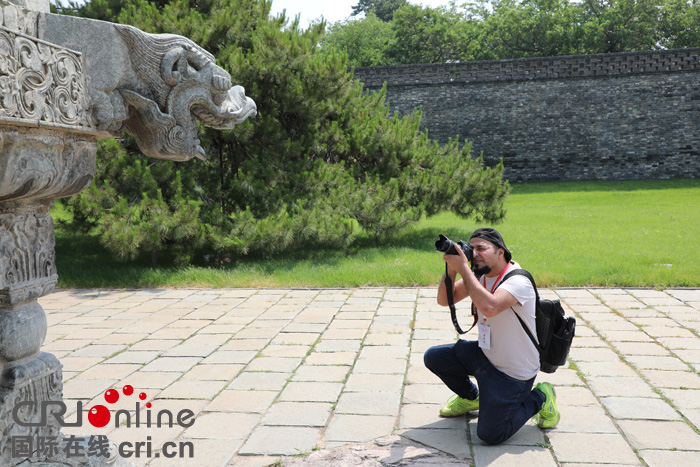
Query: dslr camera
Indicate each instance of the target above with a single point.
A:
(449, 247)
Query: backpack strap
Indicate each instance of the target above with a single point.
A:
(523, 272)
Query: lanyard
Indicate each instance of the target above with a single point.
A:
(492, 289)
(498, 278)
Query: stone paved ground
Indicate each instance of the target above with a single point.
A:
(273, 373)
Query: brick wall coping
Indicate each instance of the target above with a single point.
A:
(522, 69)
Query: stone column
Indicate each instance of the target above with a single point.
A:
(28, 272)
(37, 165)
(47, 151)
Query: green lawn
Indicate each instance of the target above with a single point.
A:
(638, 234)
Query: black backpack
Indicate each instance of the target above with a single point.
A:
(555, 331)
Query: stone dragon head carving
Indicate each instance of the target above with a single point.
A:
(177, 82)
(155, 86)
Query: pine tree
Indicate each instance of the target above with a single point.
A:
(323, 162)
(138, 205)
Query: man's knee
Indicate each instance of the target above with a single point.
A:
(438, 356)
(492, 435)
(431, 357)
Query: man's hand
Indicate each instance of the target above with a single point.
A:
(458, 263)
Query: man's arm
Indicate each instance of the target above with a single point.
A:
(489, 304)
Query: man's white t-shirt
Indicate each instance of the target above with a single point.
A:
(511, 350)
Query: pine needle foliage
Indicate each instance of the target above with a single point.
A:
(322, 163)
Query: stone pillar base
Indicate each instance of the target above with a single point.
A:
(31, 413)
(37, 380)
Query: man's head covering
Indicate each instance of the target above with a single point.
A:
(492, 235)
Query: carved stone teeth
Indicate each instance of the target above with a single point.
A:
(206, 118)
(199, 153)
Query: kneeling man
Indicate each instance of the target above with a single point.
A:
(503, 361)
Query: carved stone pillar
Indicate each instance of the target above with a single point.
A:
(47, 151)
(36, 165)
(28, 272)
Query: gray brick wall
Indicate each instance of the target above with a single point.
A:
(596, 117)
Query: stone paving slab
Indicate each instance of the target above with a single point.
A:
(265, 374)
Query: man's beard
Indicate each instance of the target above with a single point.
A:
(480, 271)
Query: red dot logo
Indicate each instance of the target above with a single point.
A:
(99, 416)
(111, 396)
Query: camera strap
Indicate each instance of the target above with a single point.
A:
(451, 303)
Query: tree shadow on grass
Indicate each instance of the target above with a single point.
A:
(82, 261)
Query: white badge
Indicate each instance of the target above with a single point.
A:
(484, 336)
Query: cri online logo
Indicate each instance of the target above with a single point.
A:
(99, 415)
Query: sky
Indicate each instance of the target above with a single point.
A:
(331, 10)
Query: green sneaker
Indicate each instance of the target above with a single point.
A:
(548, 416)
(457, 406)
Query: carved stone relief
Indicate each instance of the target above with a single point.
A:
(41, 82)
(44, 163)
(27, 258)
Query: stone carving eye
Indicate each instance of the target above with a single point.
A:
(181, 69)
